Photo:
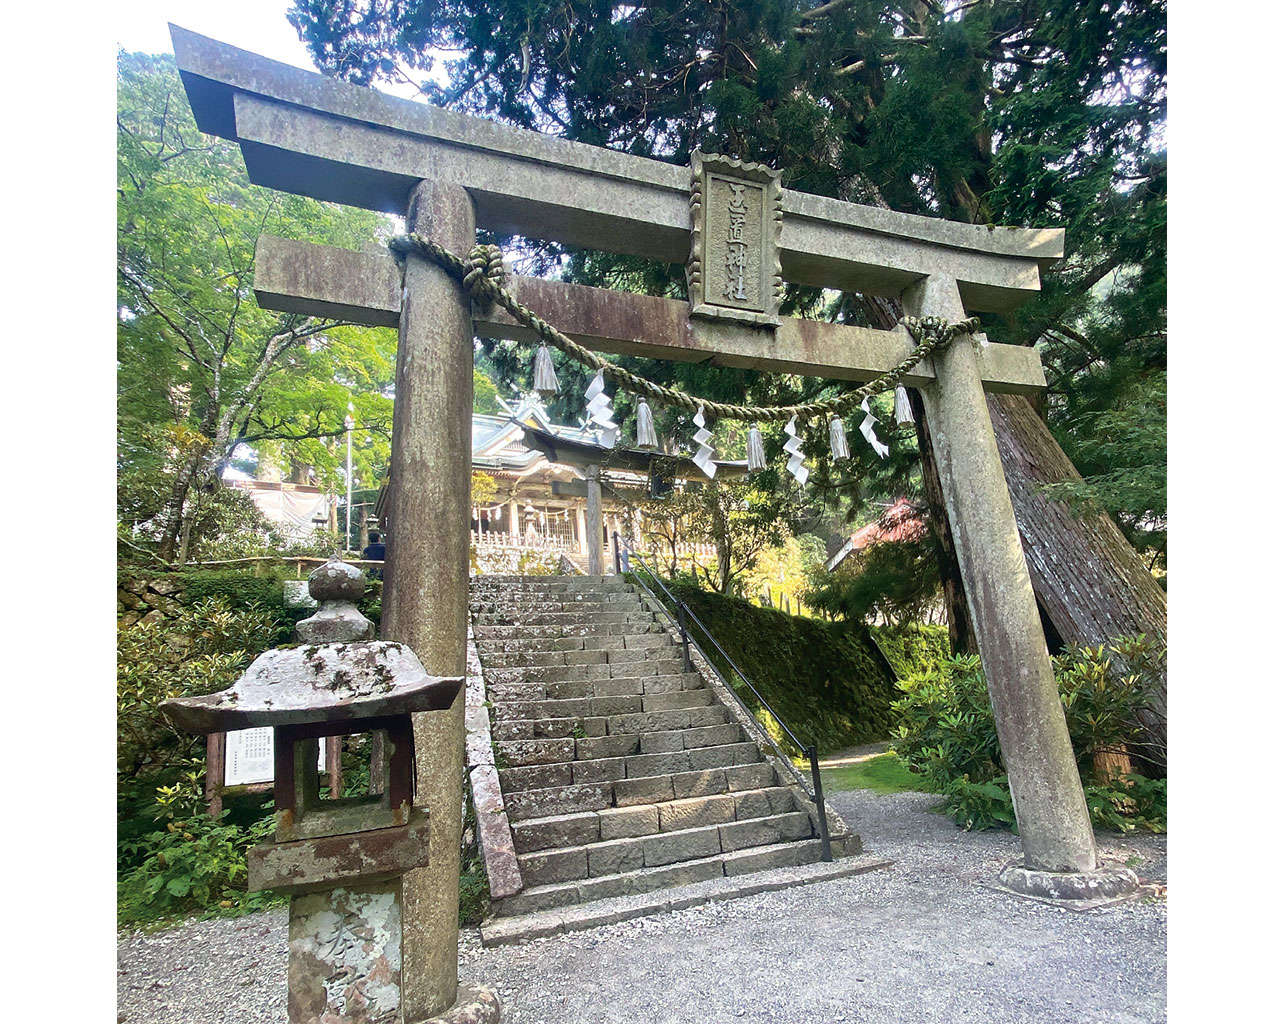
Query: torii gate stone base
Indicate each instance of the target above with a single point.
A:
(449, 174)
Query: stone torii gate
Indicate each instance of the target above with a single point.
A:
(449, 174)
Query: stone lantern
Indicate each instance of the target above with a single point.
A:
(341, 860)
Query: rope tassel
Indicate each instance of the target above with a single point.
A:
(646, 427)
(755, 456)
(838, 440)
(867, 428)
(600, 410)
(794, 447)
(545, 376)
(704, 454)
(904, 412)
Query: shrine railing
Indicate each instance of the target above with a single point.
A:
(558, 540)
(627, 559)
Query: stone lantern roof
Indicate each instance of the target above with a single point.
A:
(350, 677)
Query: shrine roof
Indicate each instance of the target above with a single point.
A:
(902, 523)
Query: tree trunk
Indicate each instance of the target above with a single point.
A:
(962, 639)
(173, 517)
(886, 314)
(1090, 582)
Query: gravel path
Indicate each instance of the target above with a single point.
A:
(922, 941)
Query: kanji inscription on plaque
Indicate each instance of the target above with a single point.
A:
(734, 271)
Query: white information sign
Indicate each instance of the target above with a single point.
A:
(250, 757)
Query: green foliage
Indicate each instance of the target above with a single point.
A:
(912, 647)
(1102, 689)
(202, 370)
(474, 888)
(782, 570)
(826, 680)
(980, 805)
(203, 650)
(946, 733)
(239, 588)
(899, 582)
(485, 394)
(1134, 804)
(1125, 470)
(945, 727)
(194, 864)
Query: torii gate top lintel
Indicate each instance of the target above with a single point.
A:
(302, 132)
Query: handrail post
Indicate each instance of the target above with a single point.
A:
(826, 853)
(615, 547)
(686, 640)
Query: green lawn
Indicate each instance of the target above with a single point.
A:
(882, 774)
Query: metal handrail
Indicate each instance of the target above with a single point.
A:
(625, 557)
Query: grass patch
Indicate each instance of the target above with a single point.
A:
(882, 774)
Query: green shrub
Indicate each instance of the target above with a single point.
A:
(946, 729)
(946, 733)
(201, 650)
(980, 805)
(196, 864)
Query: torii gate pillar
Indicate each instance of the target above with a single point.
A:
(1052, 816)
(425, 601)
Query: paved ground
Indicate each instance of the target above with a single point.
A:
(923, 941)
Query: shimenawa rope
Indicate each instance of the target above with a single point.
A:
(482, 274)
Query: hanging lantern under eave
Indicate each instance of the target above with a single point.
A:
(901, 406)
(545, 375)
(646, 427)
(838, 440)
(755, 457)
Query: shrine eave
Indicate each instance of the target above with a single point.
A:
(304, 133)
(638, 460)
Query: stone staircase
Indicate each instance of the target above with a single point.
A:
(621, 772)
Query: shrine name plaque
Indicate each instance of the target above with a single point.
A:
(736, 214)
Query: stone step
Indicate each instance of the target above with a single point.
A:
(557, 757)
(571, 707)
(568, 770)
(483, 633)
(617, 856)
(670, 655)
(578, 617)
(588, 603)
(662, 748)
(589, 827)
(617, 642)
(511, 580)
(612, 686)
(519, 598)
(667, 896)
(582, 710)
(660, 665)
(629, 792)
(585, 890)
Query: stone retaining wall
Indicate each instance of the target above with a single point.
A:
(148, 600)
